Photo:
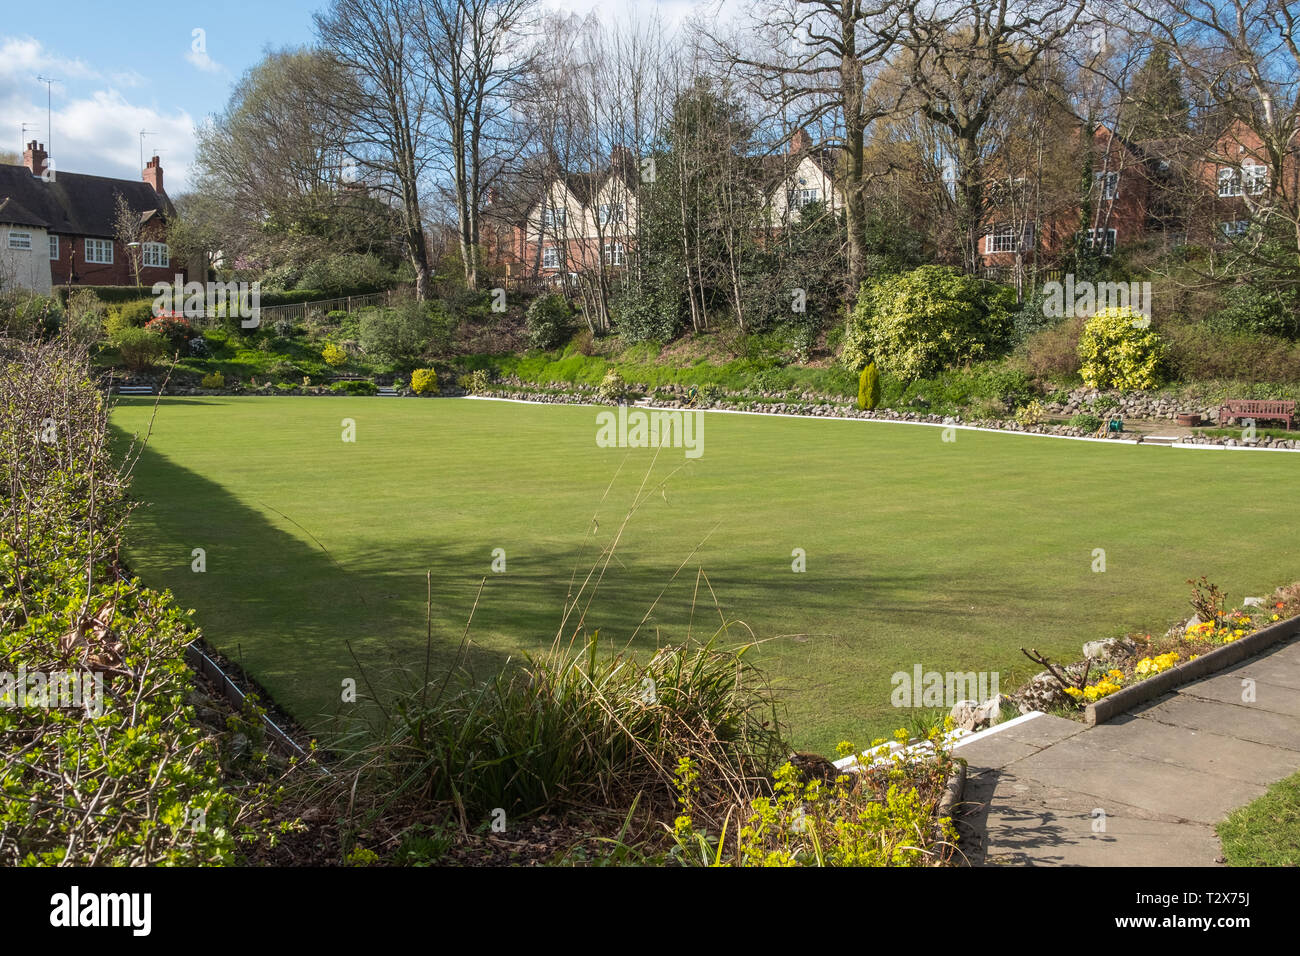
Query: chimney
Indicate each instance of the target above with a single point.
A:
(800, 142)
(35, 157)
(620, 157)
(153, 174)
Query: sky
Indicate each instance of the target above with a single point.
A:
(114, 76)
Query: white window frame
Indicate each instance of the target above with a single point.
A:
(96, 249)
(1229, 182)
(1107, 184)
(19, 239)
(156, 255)
(1003, 238)
(1235, 227)
(554, 217)
(611, 212)
(1107, 237)
(1254, 178)
(550, 257)
(54, 248)
(613, 253)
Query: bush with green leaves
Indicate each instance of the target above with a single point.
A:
(398, 334)
(549, 321)
(645, 316)
(424, 381)
(1269, 311)
(1119, 349)
(175, 330)
(355, 387)
(140, 349)
(125, 781)
(475, 382)
(26, 315)
(612, 389)
(213, 380)
(1086, 421)
(918, 323)
(136, 313)
(84, 315)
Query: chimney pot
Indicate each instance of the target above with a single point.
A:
(35, 158)
(153, 174)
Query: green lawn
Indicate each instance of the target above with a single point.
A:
(1266, 832)
(948, 555)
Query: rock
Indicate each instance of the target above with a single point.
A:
(972, 715)
(1253, 602)
(1108, 650)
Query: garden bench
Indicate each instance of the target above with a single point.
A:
(135, 390)
(1282, 411)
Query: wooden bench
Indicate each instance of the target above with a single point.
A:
(135, 390)
(1280, 411)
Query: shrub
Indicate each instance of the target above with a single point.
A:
(476, 382)
(213, 380)
(24, 315)
(1247, 308)
(549, 321)
(645, 317)
(284, 328)
(1032, 413)
(1089, 423)
(612, 388)
(916, 324)
(84, 315)
(139, 348)
(1053, 353)
(176, 331)
(1117, 350)
(869, 387)
(136, 313)
(424, 381)
(397, 334)
(199, 347)
(152, 770)
(334, 356)
(355, 387)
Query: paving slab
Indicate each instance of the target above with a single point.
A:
(1027, 822)
(1235, 720)
(1211, 753)
(1145, 789)
(1232, 688)
(1087, 765)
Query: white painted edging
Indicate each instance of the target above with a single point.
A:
(955, 738)
(893, 421)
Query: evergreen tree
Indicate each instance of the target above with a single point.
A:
(1156, 107)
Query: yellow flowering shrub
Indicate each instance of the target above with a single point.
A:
(334, 356)
(1118, 350)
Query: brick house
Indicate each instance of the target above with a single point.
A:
(1028, 223)
(581, 222)
(66, 221)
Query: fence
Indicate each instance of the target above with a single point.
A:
(298, 311)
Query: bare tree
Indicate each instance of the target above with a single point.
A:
(474, 54)
(963, 59)
(813, 65)
(387, 104)
(128, 229)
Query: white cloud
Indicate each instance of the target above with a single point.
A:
(96, 132)
(200, 60)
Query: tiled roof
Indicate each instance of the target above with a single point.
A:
(74, 204)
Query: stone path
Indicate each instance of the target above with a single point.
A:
(1145, 789)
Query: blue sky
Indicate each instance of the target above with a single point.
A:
(137, 68)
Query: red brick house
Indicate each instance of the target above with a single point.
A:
(68, 221)
(1121, 199)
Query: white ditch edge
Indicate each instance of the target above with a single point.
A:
(888, 421)
(954, 739)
